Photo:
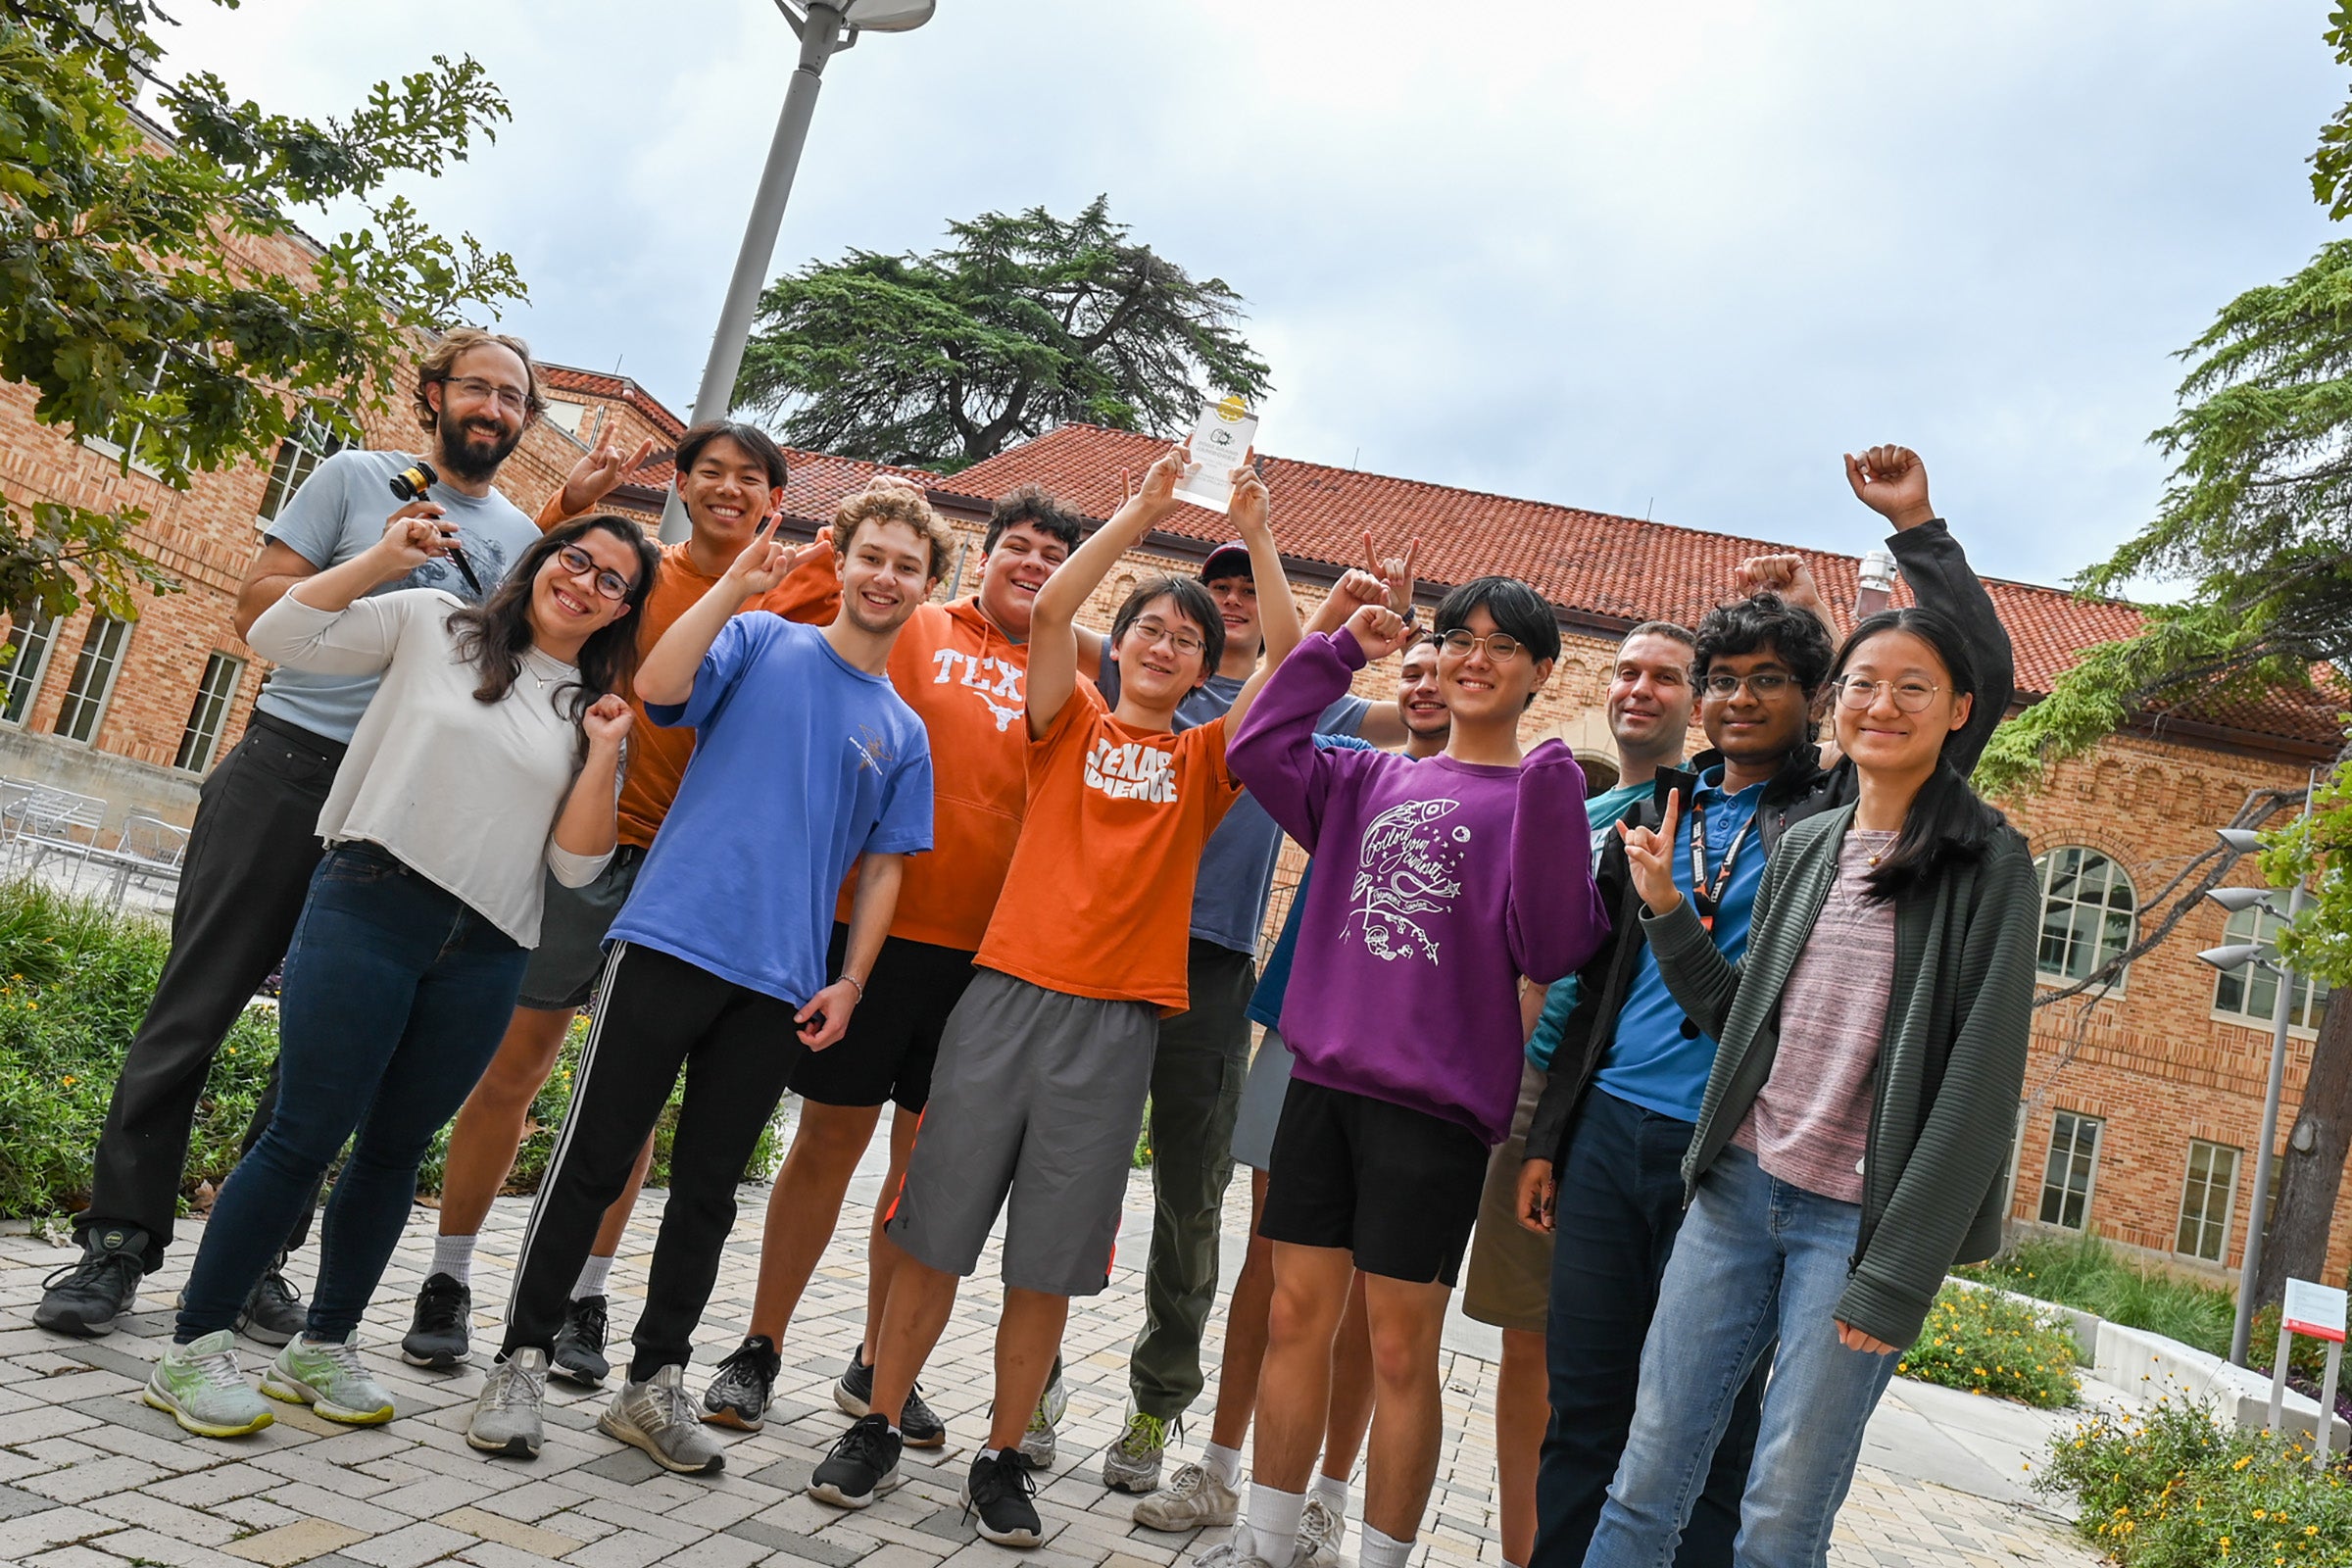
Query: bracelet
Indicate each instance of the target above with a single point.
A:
(854, 980)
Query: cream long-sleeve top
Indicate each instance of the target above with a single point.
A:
(465, 793)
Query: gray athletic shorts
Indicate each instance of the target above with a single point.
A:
(1035, 1105)
(1261, 1102)
(571, 954)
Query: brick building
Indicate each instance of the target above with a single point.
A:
(2141, 1106)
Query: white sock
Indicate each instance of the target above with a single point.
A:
(593, 1274)
(1222, 1462)
(1380, 1551)
(1333, 1491)
(1274, 1521)
(453, 1255)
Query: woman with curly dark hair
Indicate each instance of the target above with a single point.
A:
(491, 748)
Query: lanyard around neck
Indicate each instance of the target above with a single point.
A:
(1707, 899)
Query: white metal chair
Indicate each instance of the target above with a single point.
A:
(147, 850)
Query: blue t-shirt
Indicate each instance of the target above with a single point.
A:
(1605, 810)
(801, 763)
(340, 510)
(1236, 864)
(1659, 1060)
(1274, 980)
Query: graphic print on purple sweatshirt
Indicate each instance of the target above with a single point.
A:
(1405, 977)
(1406, 878)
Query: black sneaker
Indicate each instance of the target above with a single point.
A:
(738, 1391)
(1000, 1491)
(864, 1465)
(273, 1314)
(437, 1335)
(84, 1299)
(580, 1345)
(919, 1427)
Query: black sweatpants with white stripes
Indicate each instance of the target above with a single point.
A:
(657, 1015)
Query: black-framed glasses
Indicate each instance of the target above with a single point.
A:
(1910, 696)
(1501, 646)
(1765, 684)
(580, 564)
(1186, 643)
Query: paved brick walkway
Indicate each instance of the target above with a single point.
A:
(91, 1478)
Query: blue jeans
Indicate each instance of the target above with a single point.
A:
(396, 995)
(1620, 1208)
(1758, 1260)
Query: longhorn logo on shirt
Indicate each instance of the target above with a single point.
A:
(1132, 773)
(987, 679)
(1404, 873)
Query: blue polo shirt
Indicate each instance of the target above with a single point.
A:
(1659, 1060)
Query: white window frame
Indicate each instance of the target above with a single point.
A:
(45, 626)
(2091, 1181)
(306, 446)
(108, 447)
(2044, 867)
(2189, 1183)
(88, 654)
(203, 729)
(2260, 927)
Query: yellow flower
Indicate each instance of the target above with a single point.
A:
(68, 1080)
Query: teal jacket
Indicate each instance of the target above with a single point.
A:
(1952, 1057)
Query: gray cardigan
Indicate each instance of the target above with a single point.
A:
(1951, 1059)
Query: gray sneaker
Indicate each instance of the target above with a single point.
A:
(1322, 1530)
(1236, 1550)
(1132, 1462)
(1193, 1499)
(661, 1418)
(331, 1380)
(1039, 1446)
(507, 1418)
(198, 1385)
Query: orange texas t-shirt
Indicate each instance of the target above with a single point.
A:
(1098, 902)
(967, 682)
(658, 754)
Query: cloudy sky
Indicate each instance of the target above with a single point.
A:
(1665, 261)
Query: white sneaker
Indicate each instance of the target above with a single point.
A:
(1238, 1549)
(1322, 1529)
(1193, 1499)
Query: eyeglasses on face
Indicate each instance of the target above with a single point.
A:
(580, 564)
(1186, 643)
(512, 399)
(1765, 684)
(1501, 646)
(1910, 696)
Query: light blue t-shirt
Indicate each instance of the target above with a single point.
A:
(341, 510)
(1605, 810)
(1236, 864)
(1659, 1060)
(801, 763)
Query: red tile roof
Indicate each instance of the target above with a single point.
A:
(1592, 565)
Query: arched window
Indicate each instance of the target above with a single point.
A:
(2087, 912)
(2250, 995)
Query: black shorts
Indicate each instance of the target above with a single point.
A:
(893, 1037)
(1399, 1187)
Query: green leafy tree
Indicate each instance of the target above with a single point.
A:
(137, 297)
(2256, 523)
(1023, 322)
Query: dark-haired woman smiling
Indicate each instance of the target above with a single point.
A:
(491, 748)
(1850, 1145)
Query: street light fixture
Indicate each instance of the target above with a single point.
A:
(824, 27)
(2230, 958)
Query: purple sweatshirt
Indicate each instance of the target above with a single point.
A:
(1441, 884)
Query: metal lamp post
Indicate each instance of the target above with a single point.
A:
(824, 27)
(2234, 956)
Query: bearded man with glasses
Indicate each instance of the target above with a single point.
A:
(254, 843)
(1605, 1151)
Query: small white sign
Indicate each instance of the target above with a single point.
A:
(2317, 1310)
(1221, 437)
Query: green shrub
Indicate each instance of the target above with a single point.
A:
(2170, 1489)
(1984, 1343)
(74, 981)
